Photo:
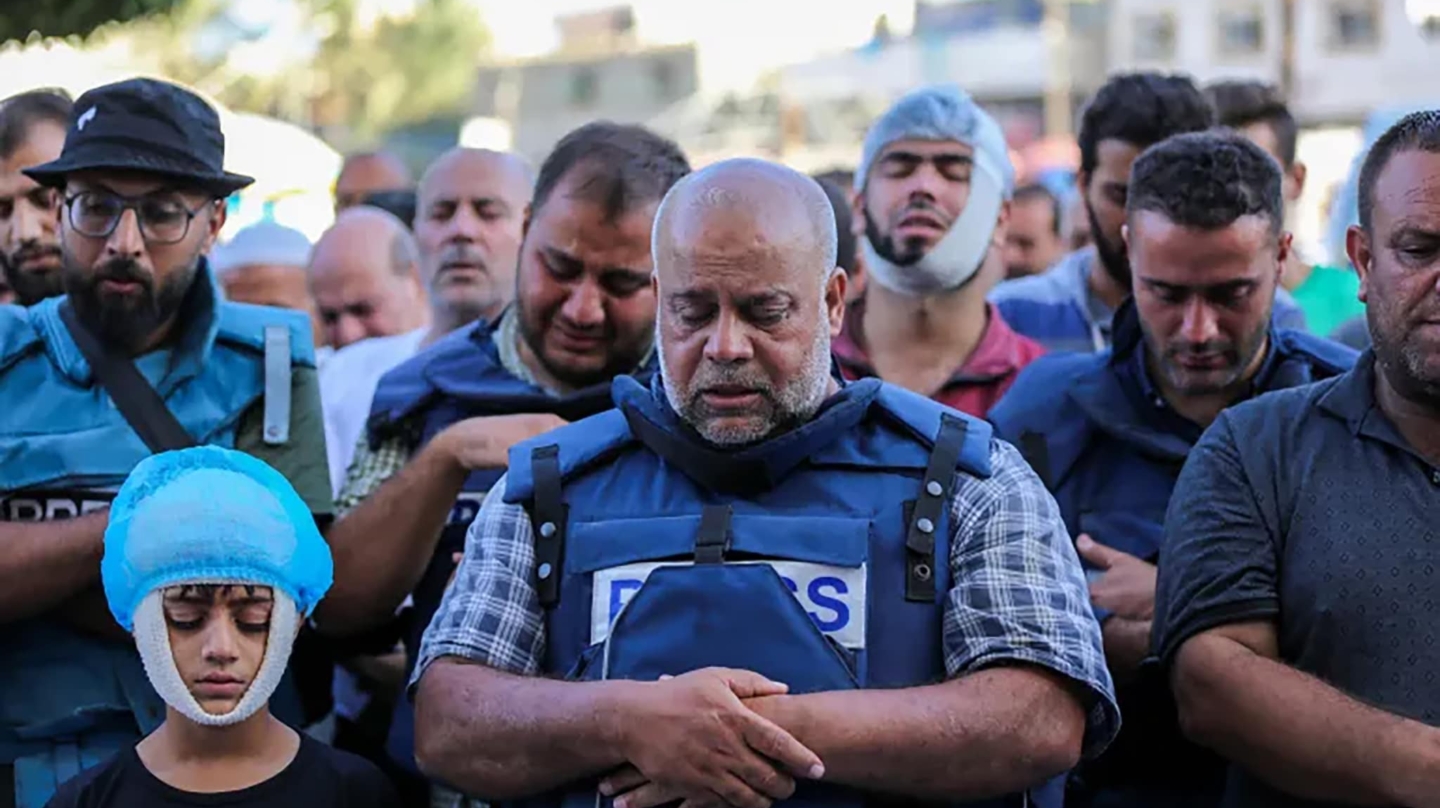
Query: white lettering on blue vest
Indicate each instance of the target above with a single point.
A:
(834, 597)
(48, 506)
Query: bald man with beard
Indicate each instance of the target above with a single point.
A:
(736, 536)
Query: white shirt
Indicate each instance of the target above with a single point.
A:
(347, 388)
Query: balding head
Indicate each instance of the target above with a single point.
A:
(369, 173)
(750, 298)
(469, 216)
(365, 278)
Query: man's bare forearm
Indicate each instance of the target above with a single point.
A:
(42, 564)
(1298, 733)
(1127, 643)
(382, 547)
(500, 736)
(990, 733)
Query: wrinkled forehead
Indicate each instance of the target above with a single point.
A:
(735, 248)
(1407, 193)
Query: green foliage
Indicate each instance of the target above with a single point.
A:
(403, 71)
(64, 18)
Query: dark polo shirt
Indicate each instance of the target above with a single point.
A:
(1306, 507)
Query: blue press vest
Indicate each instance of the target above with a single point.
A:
(648, 542)
(68, 700)
(459, 377)
(1111, 456)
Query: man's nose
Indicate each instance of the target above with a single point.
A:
(1200, 324)
(126, 239)
(729, 341)
(585, 305)
(30, 224)
(348, 329)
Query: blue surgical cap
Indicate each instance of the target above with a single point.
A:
(210, 515)
(942, 112)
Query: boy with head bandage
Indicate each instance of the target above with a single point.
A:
(212, 561)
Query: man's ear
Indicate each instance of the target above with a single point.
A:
(216, 224)
(525, 222)
(857, 214)
(1285, 246)
(1357, 247)
(835, 300)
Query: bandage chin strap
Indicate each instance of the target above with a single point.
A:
(152, 638)
(956, 257)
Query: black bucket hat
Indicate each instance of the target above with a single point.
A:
(144, 125)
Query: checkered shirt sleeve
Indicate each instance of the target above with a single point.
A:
(370, 468)
(1019, 594)
(491, 612)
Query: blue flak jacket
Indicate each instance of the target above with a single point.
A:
(69, 700)
(798, 558)
(458, 377)
(1098, 433)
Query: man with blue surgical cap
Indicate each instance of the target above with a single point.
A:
(211, 562)
(932, 201)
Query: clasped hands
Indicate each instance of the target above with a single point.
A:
(696, 738)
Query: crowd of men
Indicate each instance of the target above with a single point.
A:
(614, 480)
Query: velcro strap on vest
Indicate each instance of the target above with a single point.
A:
(926, 516)
(549, 517)
(713, 538)
(277, 385)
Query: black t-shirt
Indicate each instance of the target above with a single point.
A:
(318, 777)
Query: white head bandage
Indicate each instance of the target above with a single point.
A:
(943, 113)
(211, 516)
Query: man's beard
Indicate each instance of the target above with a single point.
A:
(126, 322)
(1402, 361)
(1230, 378)
(1114, 259)
(620, 358)
(31, 287)
(783, 409)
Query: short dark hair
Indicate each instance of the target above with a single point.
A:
(1207, 180)
(1239, 104)
(1418, 131)
(19, 113)
(1036, 191)
(624, 166)
(844, 219)
(1141, 109)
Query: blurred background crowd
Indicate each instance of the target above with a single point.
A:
(303, 82)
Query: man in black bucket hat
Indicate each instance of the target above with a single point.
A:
(140, 356)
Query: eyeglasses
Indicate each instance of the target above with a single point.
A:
(162, 221)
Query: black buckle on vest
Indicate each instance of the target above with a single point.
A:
(928, 512)
(548, 516)
(713, 538)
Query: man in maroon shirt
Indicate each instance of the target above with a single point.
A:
(932, 199)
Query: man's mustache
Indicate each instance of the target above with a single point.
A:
(124, 272)
(33, 252)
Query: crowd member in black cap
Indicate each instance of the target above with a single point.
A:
(140, 356)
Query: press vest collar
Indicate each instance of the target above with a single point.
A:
(197, 325)
(754, 468)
